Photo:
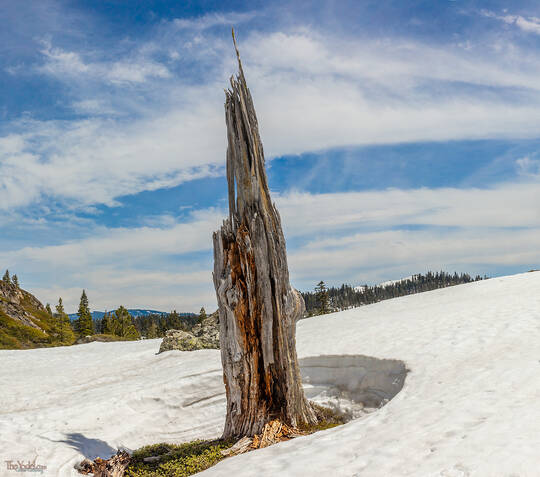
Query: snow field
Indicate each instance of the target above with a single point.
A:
(470, 404)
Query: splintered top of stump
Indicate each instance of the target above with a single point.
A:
(246, 174)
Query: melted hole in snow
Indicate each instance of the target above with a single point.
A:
(352, 385)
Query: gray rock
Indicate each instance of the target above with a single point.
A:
(204, 335)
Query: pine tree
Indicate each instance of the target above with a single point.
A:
(98, 326)
(202, 314)
(174, 321)
(124, 325)
(48, 309)
(6, 278)
(152, 331)
(85, 325)
(107, 324)
(60, 306)
(15, 280)
(321, 293)
(63, 324)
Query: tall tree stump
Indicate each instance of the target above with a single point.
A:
(258, 308)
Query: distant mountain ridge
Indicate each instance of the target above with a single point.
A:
(135, 312)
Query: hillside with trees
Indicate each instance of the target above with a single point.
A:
(121, 325)
(24, 321)
(325, 300)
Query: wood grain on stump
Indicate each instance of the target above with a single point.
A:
(258, 308)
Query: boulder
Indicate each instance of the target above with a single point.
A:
(204, 335)
(208, 331)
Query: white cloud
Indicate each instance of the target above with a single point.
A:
(529, 24)
(528, 166)
(124, 245)
(96, 107)
(60, 62)
(508, 205)
(96, 160)
(397, 63)
(69, 65)
(210, 20)
(137, 72)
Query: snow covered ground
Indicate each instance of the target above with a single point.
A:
(395, 282)
(470, 404)
(388, 283)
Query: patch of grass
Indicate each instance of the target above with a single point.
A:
(8, 342)
(15, 335)
(327, 419)
(177, 460)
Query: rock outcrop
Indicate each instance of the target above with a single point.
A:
(24, 322)
(19, 305)
(204, 335)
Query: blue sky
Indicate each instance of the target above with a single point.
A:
(400, 137)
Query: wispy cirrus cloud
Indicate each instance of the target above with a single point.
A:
(529, 24)
(317, 93)
(210, 20)
(93, 161)
(128, 245)
(507, 205)
(69, 65)
(529, 166)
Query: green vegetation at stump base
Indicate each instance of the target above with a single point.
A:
(177, 460)
(187, 459)
(326, 419)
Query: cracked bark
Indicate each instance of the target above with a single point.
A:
(258, 308)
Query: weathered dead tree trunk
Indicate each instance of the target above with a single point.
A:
(258, 308)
